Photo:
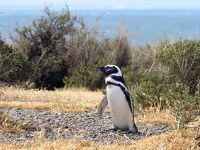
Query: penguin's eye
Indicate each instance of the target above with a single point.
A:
(108, 67)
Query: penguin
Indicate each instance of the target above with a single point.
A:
(119, 100)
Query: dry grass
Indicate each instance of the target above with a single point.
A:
(71, 100)
(8, 124)
(173, 141)
(154, 115)
(79, 100)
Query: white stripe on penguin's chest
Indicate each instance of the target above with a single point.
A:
(118, 106)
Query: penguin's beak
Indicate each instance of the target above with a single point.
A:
(101, 69)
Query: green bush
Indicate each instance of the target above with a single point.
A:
(174, 96)
(47, 45)
(85, 77)
(59, 45)
(183, 60)
(167, 78)
(185, 106)
(12, 64)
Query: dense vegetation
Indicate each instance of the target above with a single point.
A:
(12, 63)
(58, 50)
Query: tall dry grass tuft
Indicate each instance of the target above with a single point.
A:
(8, 124)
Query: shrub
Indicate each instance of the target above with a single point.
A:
(59, 45)
(174, 96)
(148, 94)
(93, 51)
(46, 44)
(183, 60)
(164, 79)
(12, 64)
(85, 76)
(184, 106)
(90, 53)
(121, 49)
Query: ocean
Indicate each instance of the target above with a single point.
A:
(142, 26)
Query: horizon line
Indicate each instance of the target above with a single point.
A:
(99, 8)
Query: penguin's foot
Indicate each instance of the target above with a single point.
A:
(133, 129)
(112, 129)
(134, 132)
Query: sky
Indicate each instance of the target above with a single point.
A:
(108, 4)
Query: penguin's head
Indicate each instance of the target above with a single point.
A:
(110, 70)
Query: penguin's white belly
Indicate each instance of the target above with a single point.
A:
(119, 108)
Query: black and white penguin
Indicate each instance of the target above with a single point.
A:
(119, 99)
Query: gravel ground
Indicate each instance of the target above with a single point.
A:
(77, 126)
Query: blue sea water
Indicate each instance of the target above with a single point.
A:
(143, 26)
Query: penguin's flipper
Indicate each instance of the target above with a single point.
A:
(102, 107)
